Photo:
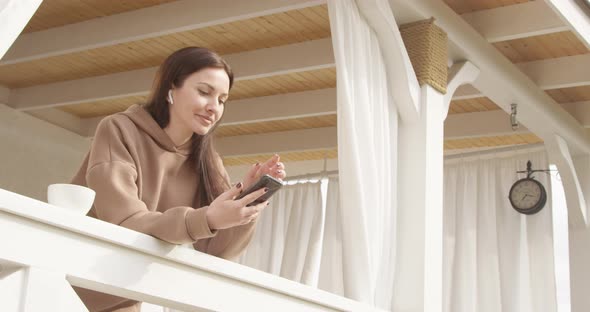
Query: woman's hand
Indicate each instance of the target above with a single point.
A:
(272, 167)
(226, 212)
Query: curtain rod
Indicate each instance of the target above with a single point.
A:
(495, 151)
(318, 175)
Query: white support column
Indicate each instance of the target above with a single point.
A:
(579, 254)
(579, 240)
(418, 285)
(559, 154)
(48, 291)
(575, 176)
(582, 166)
(14, 16)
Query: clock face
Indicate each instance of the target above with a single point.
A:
(527, 196)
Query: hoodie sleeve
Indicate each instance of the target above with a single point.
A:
(228, 243)
(113, 175)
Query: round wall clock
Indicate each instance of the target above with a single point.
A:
(528, 196)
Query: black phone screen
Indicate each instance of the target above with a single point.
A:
(271, 183)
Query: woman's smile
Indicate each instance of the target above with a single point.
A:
(207, 120)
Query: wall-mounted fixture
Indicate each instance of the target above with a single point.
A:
(513, 120)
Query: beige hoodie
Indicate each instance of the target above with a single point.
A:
(145, 183)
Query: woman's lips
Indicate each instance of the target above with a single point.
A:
(207, 120)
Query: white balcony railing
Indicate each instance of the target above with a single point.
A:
(44, 250)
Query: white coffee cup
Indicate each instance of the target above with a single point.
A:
(74, 198)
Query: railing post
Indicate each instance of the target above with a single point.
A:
(47, 291)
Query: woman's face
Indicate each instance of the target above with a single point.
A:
(199, 103)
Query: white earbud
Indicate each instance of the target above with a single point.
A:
(170, 99)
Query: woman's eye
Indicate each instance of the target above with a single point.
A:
(222, 102)
(203, 92)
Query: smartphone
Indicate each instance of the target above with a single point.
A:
(265, 181)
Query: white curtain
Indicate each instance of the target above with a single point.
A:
(332, 265)
(288, 237)
(496, 259)
(367, 159)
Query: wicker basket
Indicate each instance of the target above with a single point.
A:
(427, 47)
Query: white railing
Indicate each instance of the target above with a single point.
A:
(44, 250)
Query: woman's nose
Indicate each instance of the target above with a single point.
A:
(213, 106)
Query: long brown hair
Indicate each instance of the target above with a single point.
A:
(172, 73)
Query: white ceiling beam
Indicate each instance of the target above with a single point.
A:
(62, 119)
(497, 122)
(556, 73)
(54, 116)
(4, 95)
(562, 72)
(323, 102)
(267, 108)
(278, 142)
(479, 124)
(297, 57)
(580, 111)
(279, 107)
(457, 126)
(575, 16)
(14, 16)
(515, 21)
(141, 24)
(131, 83)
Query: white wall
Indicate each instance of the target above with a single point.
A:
(35, 153)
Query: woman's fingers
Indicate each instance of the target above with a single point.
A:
(252, 175)
(271, 163)
(251, 213)
(232, 192)
(271, 166)
(251, 197)
(252, 172)
(280, 174)
(225, 212)
(254, 210)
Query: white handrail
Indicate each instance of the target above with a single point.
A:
(100, 256)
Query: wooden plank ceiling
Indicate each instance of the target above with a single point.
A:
(299, 25)
(55, 13)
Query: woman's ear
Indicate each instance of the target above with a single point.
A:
(170, 99)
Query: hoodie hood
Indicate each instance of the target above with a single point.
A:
(144, 121)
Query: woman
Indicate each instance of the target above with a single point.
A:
(154, 168)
